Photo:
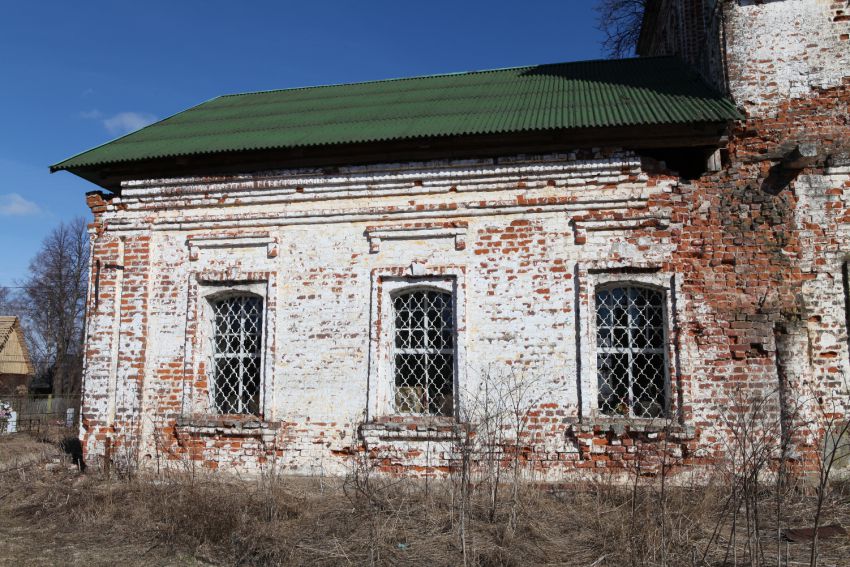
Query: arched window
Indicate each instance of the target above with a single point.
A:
(631, 351)
(237, 347)
(424, 352)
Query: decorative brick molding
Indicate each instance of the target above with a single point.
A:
(196, 243)
(554, 181)
(207, 426)
(628, 200)
(422, 178)
(410, 429)
(620, 426)
(581, 226)
(417, 231)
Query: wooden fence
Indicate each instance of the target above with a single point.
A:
(39, 414)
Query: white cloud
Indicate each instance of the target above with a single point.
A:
(121, 123)
(93, 114)
(12, 204)
(126, 122)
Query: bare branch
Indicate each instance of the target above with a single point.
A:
(52, 303)
(620, 21)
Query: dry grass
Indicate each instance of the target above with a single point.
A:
(61, 517)
(20, 450)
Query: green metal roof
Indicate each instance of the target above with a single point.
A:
(587, 94)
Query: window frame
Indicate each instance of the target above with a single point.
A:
(591, 277)
(385, 283)
(211, 300)
(409, 290)
(666, 390)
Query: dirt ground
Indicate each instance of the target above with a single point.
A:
(51, 514)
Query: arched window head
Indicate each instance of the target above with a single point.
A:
(237, 346)
(631, 351)
(424, 352)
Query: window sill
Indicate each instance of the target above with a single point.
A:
(227, 425)
(411, 428)
(622, 425)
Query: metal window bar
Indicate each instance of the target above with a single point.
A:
(237, 342)
(424, 352)
(632, 364)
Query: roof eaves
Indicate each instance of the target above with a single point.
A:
(658, 120)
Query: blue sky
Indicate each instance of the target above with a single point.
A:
(77, 74)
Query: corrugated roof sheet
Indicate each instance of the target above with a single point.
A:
(588, 94)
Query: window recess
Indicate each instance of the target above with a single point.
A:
(631, 352)
(424, 352)
(236, 354)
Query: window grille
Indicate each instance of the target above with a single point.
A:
(631, 359)
(237, 339)
(424, 352)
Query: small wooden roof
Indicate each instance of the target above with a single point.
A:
(14, 356)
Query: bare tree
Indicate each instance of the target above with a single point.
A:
(620, 21)
(52, 301)
(5, 301)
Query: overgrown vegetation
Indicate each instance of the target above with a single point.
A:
(490, 509)
(59, 516)
(277, 520)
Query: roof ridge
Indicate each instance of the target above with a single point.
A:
(449, 74)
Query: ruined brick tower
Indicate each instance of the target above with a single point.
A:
(298, 276)
(759, 52)
(786, 64)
